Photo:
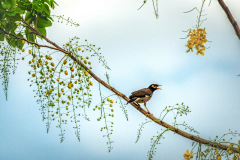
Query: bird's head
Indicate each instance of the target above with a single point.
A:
(154, 87)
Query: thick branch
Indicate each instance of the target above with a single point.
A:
(230, 17)
(137, 106)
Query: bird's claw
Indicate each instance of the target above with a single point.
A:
(148, 114)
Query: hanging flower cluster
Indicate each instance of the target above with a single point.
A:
(197, 40)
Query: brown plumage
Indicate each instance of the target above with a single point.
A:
(143, 95)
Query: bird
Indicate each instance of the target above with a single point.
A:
(143, 95)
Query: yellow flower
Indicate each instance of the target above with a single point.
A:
(111, 101)
(29, 51)
(204, 32)
(200, 51)
(237, 155)
(67, 43)
(108, 99)
(23, 42)
(216, 152)
(187, 155)
(91, 83)
(219, 157)
(72, 69)
(189, 49)
(66, 72)
(57, 79)
(111, 105)
(201, 154)
(79, 48)
(192, 34)
(23, 50)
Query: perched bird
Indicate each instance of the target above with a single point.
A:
(143, 95)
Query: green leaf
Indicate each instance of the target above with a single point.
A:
(7, 4)
(43, 22)
(19, 10)
(46, 9)
(11, 13)
(25, 5)
(51, 3)
(19, 43)
(11, 41)
(10, 27)
(30, 36)
(42, 31)
(29, 20)
(27, 15)
(12, 19)
(38, 5)
(13, 4)
(1, 15)
(17, 17)
(2, 35)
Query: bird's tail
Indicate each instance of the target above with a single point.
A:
(131, 100)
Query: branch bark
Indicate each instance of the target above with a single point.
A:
(137, 106)
(230, 17)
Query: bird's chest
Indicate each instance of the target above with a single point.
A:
(143, 99)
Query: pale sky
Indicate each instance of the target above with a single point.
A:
(140, 50)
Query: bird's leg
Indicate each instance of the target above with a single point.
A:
(147, 110)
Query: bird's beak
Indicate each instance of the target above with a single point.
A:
(159, 88)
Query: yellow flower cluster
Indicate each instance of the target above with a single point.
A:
(188, 155)
(197, 40)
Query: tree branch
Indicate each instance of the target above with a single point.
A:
(30, 41)
(137, 106)
(230, 17)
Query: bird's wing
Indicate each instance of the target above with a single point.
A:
(142, 92)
